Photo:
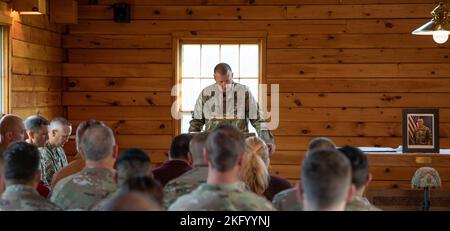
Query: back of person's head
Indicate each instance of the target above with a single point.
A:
(82, 128)
(35, 122)
(146, 185)
(359, 164)
(321, 143)
(325, 179)
(196, 146)
(21, 162)
(179, 148)
(224, 147)
(98, 143)
(132, 201)
(133, 162)
(254, 171)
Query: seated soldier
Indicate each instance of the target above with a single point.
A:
(97, 180)
(11, 130)
(190, 180)
(223, 191)
(178, 160)
(287, 200)
(360, 178)
(133, 162)
(21, 170)
(255, 170)
(326, 181)
(37, 130)
(78, 162)
(53, 157)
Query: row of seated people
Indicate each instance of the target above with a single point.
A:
(217, 170)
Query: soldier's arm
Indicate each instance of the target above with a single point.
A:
(257, 121)
(47, 168)
(198, 119)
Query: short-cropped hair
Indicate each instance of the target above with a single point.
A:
(97, 142)
(21, 161)
(224, 146)
(222, 68)
(321, 143)
(34, 123)
(359, 163)
(133, 162)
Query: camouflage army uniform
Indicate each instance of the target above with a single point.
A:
(287, 201)
(21, 197)
(225, 197)
(53, 159)
(360, 204)
(82, 190)
(184, 184)
(422, 136)
(211, 98)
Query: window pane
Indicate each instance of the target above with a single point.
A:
(190, 63)
(206, 82)
(190, 90)
(249, 60)
(253, 85)
(185, 118)
(230, 54)
(210, 58)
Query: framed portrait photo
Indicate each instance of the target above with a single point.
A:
(420, 130)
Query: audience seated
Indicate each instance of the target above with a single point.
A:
(190, 180)
(178, 160)
(287, 200)
(223, 190)
(132, 201)
(11, 130)
(326, 181)
(97, 180)
(53, 157)
(360, 179)
(21, 172)
(78, 162)
(133, 162)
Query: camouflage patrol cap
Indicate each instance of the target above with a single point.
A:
(426, 177)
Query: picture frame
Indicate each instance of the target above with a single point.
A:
(420, 130)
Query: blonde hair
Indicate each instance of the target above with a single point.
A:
(254, 171)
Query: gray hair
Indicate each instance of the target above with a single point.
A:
(97, 142)
(58, 122)
(34, 123)
(82, 128)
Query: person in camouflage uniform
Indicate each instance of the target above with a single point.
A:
(287, 200)
(223, 191)
(360, 179)
(53, 157)
(22, 176)
(190, 180)
(97, 180)
(228, 102)
(133, 162)
(422, 134)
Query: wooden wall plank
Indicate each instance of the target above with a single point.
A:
(116, 70)
(117, 41)
(119, 84)
(36, 52)
(120, 56)
(119, 113)
(117, 99)
(251, 2)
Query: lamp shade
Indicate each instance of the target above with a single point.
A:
(431, 27)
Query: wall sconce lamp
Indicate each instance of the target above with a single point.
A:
(30, 7)
(439, 26)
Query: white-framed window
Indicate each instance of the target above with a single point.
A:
(197, 62)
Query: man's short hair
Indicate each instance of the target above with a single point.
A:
(58, 122)
(179, 148)
(133, 162)
(21, 161)
(222, 68)
(146, 185)
(197, 145)
(34, 123)
(9, 123)
(82, 128)
(224, 146)
(97, 142)
(326, 177)
(359, 164)
(321, 143)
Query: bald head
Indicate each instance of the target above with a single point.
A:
(11, 129)
(132, 201)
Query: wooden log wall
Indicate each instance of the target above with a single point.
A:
(346, 68)
(36, 62)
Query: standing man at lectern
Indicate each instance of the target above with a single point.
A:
(228, 102)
